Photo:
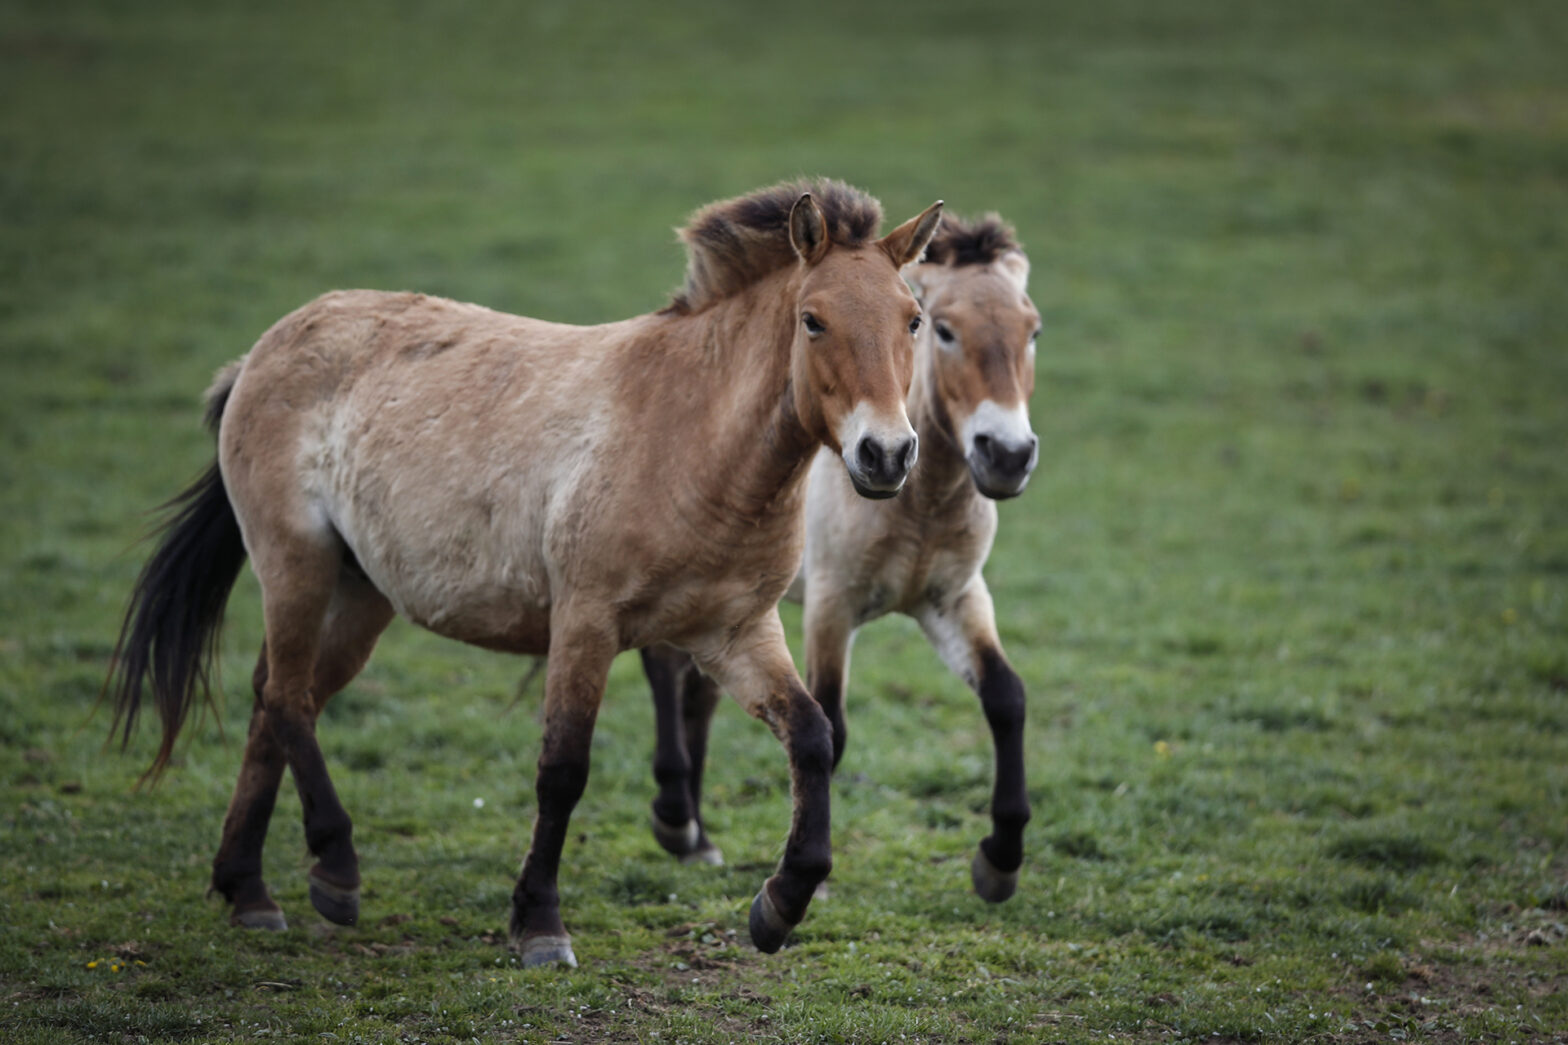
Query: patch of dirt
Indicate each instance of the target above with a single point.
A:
(383, 950)
(1495, 971)
(131, 951)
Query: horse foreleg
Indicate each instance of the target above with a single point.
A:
(754, 666)
(574, 685)
(964, 633)
(830, 627)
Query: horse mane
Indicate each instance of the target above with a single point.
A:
(733, 243)
(979, 242)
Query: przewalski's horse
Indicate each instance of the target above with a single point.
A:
(919, 554)
(537, 488)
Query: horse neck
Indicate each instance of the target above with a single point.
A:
(759, 450)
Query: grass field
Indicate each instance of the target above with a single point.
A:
(1289, 590)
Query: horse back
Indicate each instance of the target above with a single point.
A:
(442, 443)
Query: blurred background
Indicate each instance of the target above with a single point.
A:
(1292, 576)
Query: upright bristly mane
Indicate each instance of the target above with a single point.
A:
(978, 242)
(733, 243)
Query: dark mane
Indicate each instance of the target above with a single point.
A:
(978, 242)
(733, 243)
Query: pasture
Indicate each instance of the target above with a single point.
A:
(1288, 591)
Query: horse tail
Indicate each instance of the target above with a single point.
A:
(170, 633)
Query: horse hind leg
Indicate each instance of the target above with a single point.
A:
(699, 701)
(683, 702)
(355, 618)
(236, 870)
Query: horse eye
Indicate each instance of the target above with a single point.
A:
(944, 333)
(813, 325)
(914, 325)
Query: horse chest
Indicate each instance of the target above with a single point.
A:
(917, 565)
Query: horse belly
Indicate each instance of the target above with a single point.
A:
(462, 559)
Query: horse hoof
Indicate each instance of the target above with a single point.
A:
(334, 903)
(544, 950)
(709, 854)
(769, 929)
(270, 919)
(991, 885)
(678, 839)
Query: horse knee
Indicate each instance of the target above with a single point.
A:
(1001, 695)
(811, 737)
(829, 696)
(560, 784)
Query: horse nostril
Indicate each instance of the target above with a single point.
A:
(904, 457)
(1015, 460)
(985, 446)
(1007, 458)
(869, 454)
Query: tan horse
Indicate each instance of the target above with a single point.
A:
(919, 554)
(538, 488)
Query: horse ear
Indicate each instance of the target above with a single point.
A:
(1015, 266)
(808, 230)
(907, 242)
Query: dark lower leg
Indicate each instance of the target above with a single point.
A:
(328, 830)
(579, 664)
(667, 669)
(536, 902)
(808, 854)
(1002, 698)
(236, 869)
(827, 690)
(700, 699)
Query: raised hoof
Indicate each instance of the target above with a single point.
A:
(991, 885)
(262, 918)
(769, 930)
(335, 904)
(545, 950)
(709, 854)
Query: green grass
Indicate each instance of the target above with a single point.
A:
(1289, 591)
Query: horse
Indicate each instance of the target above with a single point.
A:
(919, 554)
(536, 488)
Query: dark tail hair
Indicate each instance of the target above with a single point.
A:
(170, 633)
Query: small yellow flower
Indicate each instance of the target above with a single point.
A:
(93, 964)
(1162, 748)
